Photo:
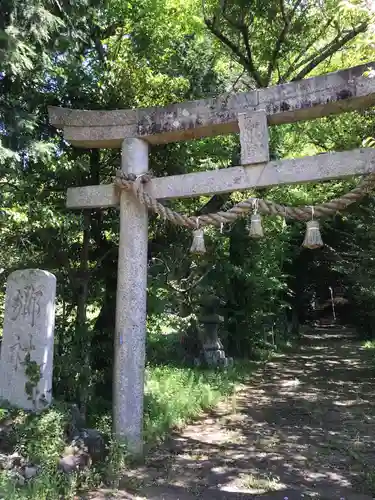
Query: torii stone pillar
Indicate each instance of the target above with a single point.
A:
(130, 336)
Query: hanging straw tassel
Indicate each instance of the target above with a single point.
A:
(198, 246)
(256, 229)
(313, 238)
(284, 225)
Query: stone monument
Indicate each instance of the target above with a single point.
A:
(28, 337)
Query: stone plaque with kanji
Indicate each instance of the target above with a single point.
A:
(28, 337)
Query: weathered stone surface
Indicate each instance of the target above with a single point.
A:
(103, 196)
(291, 171)
(304, 100)
(6, 436)
(130, 334)
(214, 319)
(27, 347)
(253, 137)
(8, 462)
(92, 442)
(30, 472)
(17, 467)
(73, 463)
(17, 460)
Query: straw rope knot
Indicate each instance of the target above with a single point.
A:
(132, 182)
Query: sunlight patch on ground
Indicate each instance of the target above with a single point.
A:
(351, 402)
(259, 485)
(290, 383)
(334, 477)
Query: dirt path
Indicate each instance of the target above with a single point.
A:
(305, 427)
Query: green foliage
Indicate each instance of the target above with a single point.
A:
(40, 438)
(277, 41)
(369, 345)
(113, 54)
(33, 375)
(173, 395)
(44, 487)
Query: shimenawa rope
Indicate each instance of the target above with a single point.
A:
(136, 184)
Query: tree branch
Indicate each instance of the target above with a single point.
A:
(100, 50)
(10, 185)
(242, 59)
(329, 50)
(192, 285)
(214, 204)
(247, 62)
(282, 10)
(253, 71)
(282, 36)
(294, 65)
(309, 58)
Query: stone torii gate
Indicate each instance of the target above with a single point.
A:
(135, 130)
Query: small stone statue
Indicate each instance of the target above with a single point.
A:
(213, 349)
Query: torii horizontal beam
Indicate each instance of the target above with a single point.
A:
(308, 99)
(291, 171)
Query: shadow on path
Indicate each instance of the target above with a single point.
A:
(304, 427)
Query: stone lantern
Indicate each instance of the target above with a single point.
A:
(209, 319)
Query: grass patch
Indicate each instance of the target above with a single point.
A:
(261, 485)
(176, 395)
(369, 344)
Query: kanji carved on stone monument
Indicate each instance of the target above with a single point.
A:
(18, 350)
(26, 303)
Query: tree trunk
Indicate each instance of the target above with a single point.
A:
(82, 332)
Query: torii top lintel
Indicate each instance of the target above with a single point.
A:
(308, 99)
